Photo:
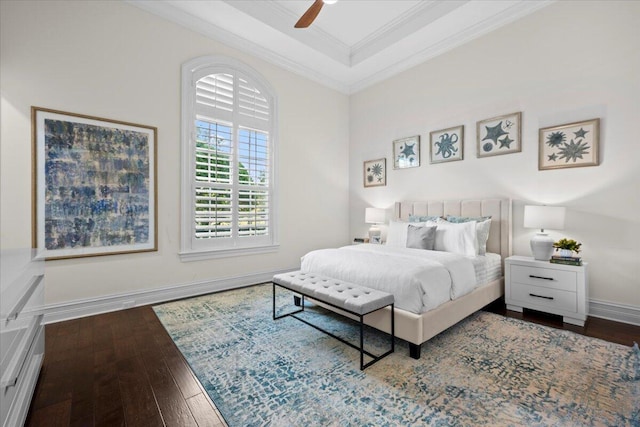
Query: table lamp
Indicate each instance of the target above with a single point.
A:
(543, 217)
(374, 216)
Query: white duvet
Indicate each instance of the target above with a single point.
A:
(420, 280)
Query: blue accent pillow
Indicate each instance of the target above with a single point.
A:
(423, 218)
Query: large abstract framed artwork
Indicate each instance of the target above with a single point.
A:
(447, 145)
(569, 146)
(406, 152)
(499, 135)
(94, 185)
(375, 173)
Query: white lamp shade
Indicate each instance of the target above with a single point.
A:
(374, 216)
(544, 217)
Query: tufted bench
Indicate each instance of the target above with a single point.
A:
(354, 299)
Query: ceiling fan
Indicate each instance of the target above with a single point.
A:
(310, 15)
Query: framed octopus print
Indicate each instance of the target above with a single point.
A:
(499, 135)
(569, 146)
(375, 173)
(446, 145)
(406, 152)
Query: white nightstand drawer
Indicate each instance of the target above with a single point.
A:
(531, 295)
(545, 277)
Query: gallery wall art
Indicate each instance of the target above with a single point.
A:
(499, 135)
(94, 185)
(447, 145)
(406, 152)
(569, 146)
(375, 173)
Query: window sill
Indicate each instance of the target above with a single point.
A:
(200, 255)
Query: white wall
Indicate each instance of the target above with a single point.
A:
(113, 60)
(570, 61)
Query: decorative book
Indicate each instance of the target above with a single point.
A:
(567, 260)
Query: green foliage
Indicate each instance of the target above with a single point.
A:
(569, 244)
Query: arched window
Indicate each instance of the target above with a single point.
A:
(228, 160)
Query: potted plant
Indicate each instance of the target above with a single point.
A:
(567, 247)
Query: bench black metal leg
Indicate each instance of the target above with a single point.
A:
(297, 301)
(414, 350)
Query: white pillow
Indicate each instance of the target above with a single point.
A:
(456, 238)
(397, 234)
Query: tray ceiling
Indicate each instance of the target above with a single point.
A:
(353, 43)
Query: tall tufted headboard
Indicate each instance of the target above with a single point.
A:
(498, 209)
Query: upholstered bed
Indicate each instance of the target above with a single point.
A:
(418, 321)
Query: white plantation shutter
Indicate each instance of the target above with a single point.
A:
(231, 162)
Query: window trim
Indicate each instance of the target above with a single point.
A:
(192, 71)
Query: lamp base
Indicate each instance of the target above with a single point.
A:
(542, 247)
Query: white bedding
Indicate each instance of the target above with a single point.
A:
(420, 280)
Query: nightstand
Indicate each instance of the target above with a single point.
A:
(551, 288)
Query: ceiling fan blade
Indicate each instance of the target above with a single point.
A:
(310, 15)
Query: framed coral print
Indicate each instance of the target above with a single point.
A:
(569, 146)
(406, 152)
(375, 173)
(499, 135)
(446, 145)
(94, 186)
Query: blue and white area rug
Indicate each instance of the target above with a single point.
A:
(486, 371)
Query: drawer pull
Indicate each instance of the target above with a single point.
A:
(540, 277)
(540, 296)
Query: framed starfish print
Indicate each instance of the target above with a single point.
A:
(375, 173)
(447, 145)
(499, 135)
(569, 146)
(406, 152)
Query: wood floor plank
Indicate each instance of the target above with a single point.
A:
(173, 407)
(204, 412)
(56, 415)
(140, 407)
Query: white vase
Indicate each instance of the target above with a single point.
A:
(566, 252)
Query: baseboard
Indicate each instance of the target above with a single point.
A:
(81, 308)
(614, 311)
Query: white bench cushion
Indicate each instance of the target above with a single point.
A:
(349, 296)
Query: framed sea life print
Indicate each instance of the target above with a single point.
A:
(375, 173)
(94, 186)
(446, 145)
(406, 152)
(569, 146)
(499, 135)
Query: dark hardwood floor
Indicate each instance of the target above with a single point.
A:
(122, 369)
(117, 369)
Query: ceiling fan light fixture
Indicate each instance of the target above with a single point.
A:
(329, 1)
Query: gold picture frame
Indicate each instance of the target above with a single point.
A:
(94, 186)
(570, 145)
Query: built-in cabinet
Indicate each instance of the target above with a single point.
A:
(21, 332)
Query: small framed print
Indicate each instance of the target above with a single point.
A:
(406, 152)
(446, 145)
(499, 135)
(375, 173)
(569, 146)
